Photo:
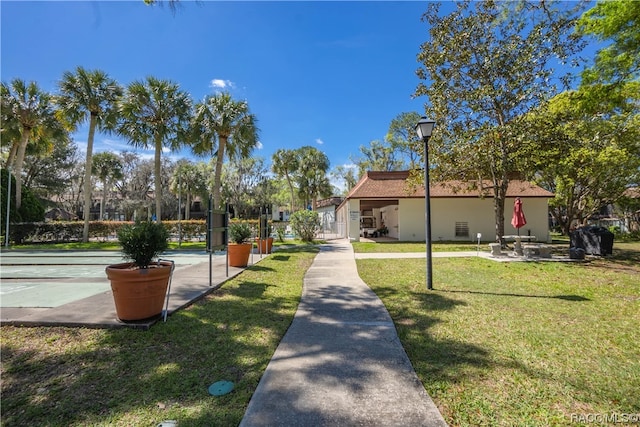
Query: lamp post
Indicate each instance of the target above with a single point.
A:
(6, 231)
(424, 127)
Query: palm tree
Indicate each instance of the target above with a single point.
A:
(221, 117)
(285, 163)
(93, 96)
(154, 113)
(312, 175)
(188, 179)
(28, 117)
(107, 167)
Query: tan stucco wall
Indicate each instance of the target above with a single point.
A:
(477, 213)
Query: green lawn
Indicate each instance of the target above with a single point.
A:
(524, 344)
(79, 377)
(518, 343)
(381, 247)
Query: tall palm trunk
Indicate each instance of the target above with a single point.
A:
(19, 162)
(291, 190)
(104, 199)
(12, 153)
(158, 178)
(218, 173)
(87, 178)
(187, 208)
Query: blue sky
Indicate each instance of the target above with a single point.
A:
(327, 74)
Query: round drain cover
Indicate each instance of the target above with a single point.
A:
(221, 387)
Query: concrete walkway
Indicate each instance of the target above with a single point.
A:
(341, 362)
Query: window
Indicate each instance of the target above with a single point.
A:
(462, 229)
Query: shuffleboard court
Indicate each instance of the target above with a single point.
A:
(55, 278)
(48, 293)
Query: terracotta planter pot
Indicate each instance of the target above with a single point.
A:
(138, 293)
(239, 254)
(265, 245)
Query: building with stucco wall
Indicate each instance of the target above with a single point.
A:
(459, 210)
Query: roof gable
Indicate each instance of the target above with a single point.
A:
(393, 185)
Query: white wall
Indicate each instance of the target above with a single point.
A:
(477, 213)
(351, 210)
(411, 220)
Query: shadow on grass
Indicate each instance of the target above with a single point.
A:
(129, 377)
(252, 289)
(500, 294)
(259, 267)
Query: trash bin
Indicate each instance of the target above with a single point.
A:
(594, 240)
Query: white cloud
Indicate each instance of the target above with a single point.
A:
(259, 145)
(114, 145)
(146, 155)
(319, 141)
(222, 84)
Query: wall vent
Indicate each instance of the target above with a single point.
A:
(462, 229)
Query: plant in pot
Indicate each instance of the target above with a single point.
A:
(239, 248)
(265, 241)
(139, 286)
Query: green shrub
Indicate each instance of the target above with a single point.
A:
(239, 232)
(305, 224)
(31, 210)
(143, 241)
(280, 231)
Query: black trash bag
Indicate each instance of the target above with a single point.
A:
(594, 240)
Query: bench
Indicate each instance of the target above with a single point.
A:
(517, 247)
(531, 250)
(496, 250)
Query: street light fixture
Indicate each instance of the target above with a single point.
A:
(424, 127)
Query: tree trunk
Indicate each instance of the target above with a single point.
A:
(187, 207)
(218, 173)
(19, 162)
(291, 190)
(104, 199)
(158, 178)
(87, 178)
(12, 153)
(499, 194)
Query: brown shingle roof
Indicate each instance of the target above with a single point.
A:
(393, 185)
(632, 192)
(332, 201)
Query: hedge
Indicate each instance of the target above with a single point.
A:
(71, 231)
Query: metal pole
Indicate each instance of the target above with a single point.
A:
(226, 235)
(210, 237)
(6, 230)
(179, 211)
(427, 213)
(166, 307)
(260, 233)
